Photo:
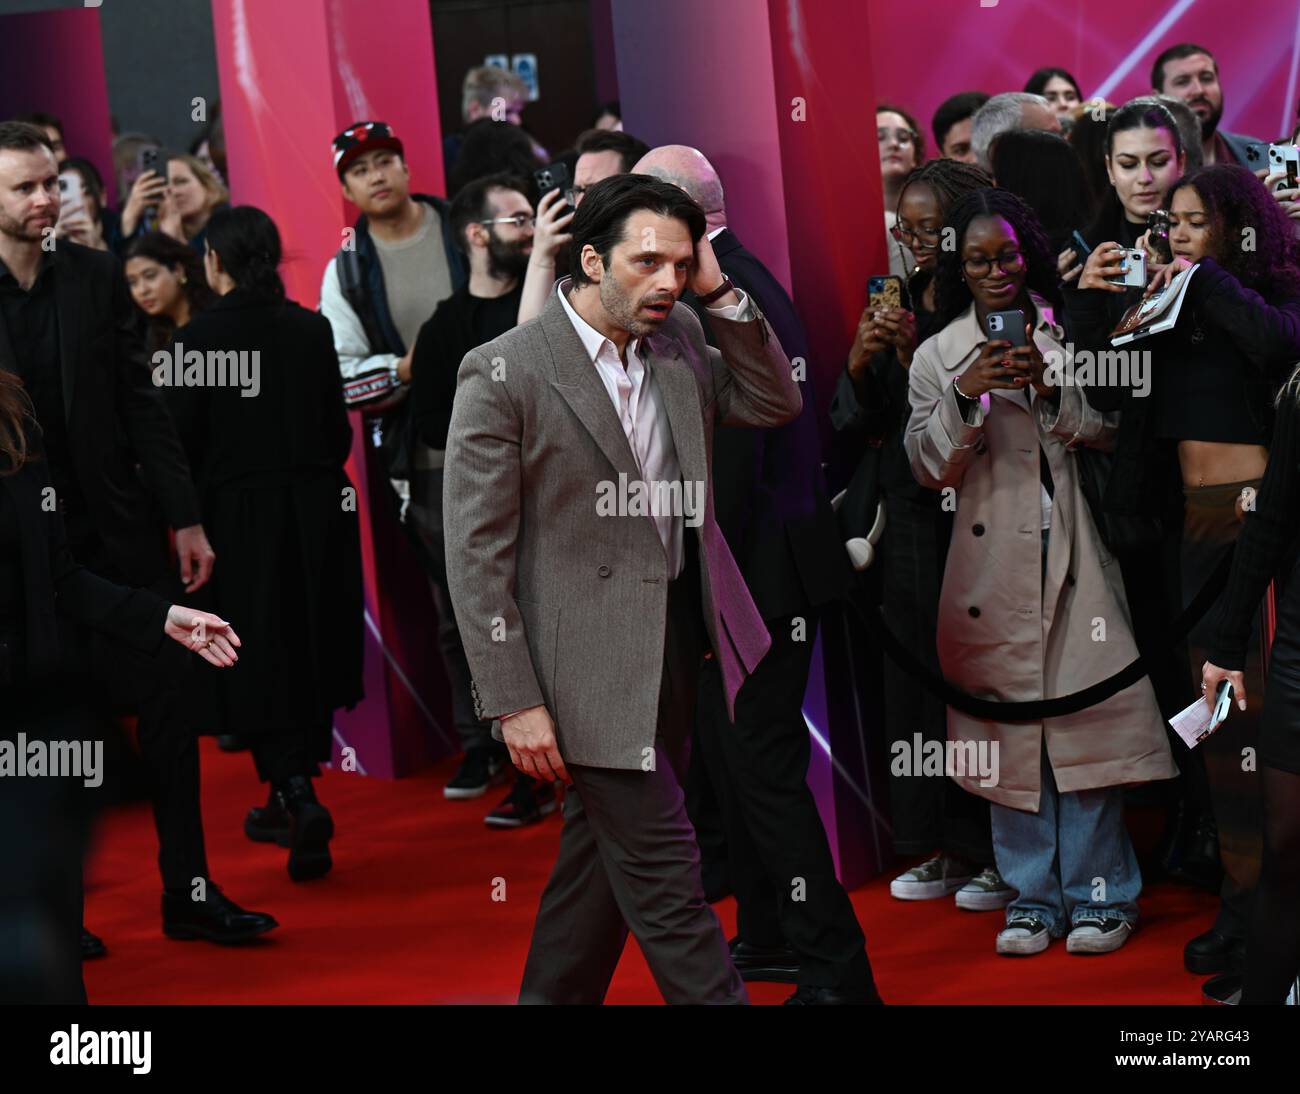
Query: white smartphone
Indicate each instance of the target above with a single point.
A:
(72, 197)
(1135, 269)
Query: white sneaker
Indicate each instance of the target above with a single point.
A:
(1022, 937)
(935, 878)
(1097, 935)
(986, 892)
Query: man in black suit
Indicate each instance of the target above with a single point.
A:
(795, 920)
(68, 329)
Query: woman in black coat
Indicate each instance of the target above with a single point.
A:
(41, 589)
(258, 403)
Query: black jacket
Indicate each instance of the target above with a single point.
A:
(279, 509)
(54, 585)
(1259, 339)
(126, 457)
(769, 491)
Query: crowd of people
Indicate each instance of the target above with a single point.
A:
(515, 345)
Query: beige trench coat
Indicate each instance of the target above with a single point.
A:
(1007, 631)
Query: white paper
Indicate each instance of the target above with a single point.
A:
(1193, 724)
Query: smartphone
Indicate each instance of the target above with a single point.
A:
(1135, 272)
(1222, 704)
(1285, 158)
(71, 195)
(1006, 326)
(554, 176)
(1257, 154)
(885, 291)
(1082, 250)
(149, 160)
(1158, 226)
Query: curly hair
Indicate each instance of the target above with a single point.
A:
(1237, 202)
(947, 179)
(951, 294)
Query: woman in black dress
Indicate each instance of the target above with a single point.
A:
(41, 589)
(267, 437)
(1266, 550)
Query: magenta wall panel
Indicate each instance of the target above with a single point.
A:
(923, 54)
(54, 61)
(293, 74)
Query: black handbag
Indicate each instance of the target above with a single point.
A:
(1123, 533)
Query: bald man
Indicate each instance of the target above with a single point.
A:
(772, 507)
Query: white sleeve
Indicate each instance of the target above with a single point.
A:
(369, 380)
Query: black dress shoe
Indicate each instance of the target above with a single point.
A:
(1213, 952)
(834, 997)
(269, 823)
(91, 945)
(771, 964)
(216, 918)
(1222, 990)
(232, 742)
(310, 830)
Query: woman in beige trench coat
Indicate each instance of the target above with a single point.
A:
(1033, 605)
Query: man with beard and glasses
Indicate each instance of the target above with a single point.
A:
(1189, 72)
(492, 221)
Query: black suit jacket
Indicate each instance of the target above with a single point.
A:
(769, 491)
(55, 585)
(126, 456)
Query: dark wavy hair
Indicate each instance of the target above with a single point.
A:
(179, 258)
(951, 294)
(15, 413)
(606, 206)
(248, 244)
(1237, 201)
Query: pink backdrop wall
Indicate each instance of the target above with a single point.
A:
(54, 61)
(921, 54)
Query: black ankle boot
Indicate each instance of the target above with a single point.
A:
(269, 823)
(310, 829)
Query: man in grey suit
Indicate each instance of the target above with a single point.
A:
(590, 576)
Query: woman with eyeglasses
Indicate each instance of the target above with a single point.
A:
(932, 819)
(902, 148)
(1031, 608)
(1196, 422)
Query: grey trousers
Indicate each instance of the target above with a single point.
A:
(628, 860)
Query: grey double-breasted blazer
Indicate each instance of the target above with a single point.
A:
(556, 603)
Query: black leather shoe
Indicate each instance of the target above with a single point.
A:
(214, 919)
(1212, 952)
(834, 997)
(91, 945)
(1222, 990)
(770, 964)
(269, 823)
(310, 830)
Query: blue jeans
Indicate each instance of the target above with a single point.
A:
(1069, 860)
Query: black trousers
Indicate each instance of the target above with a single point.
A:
(780, 861)
(628, 859)
(44, 824)
(118, 680)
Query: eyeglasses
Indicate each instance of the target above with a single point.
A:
(1009, 262)
(903, 136)
(905, 235)
(519, 220)
(573, 195)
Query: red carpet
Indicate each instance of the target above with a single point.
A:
(407, 916)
